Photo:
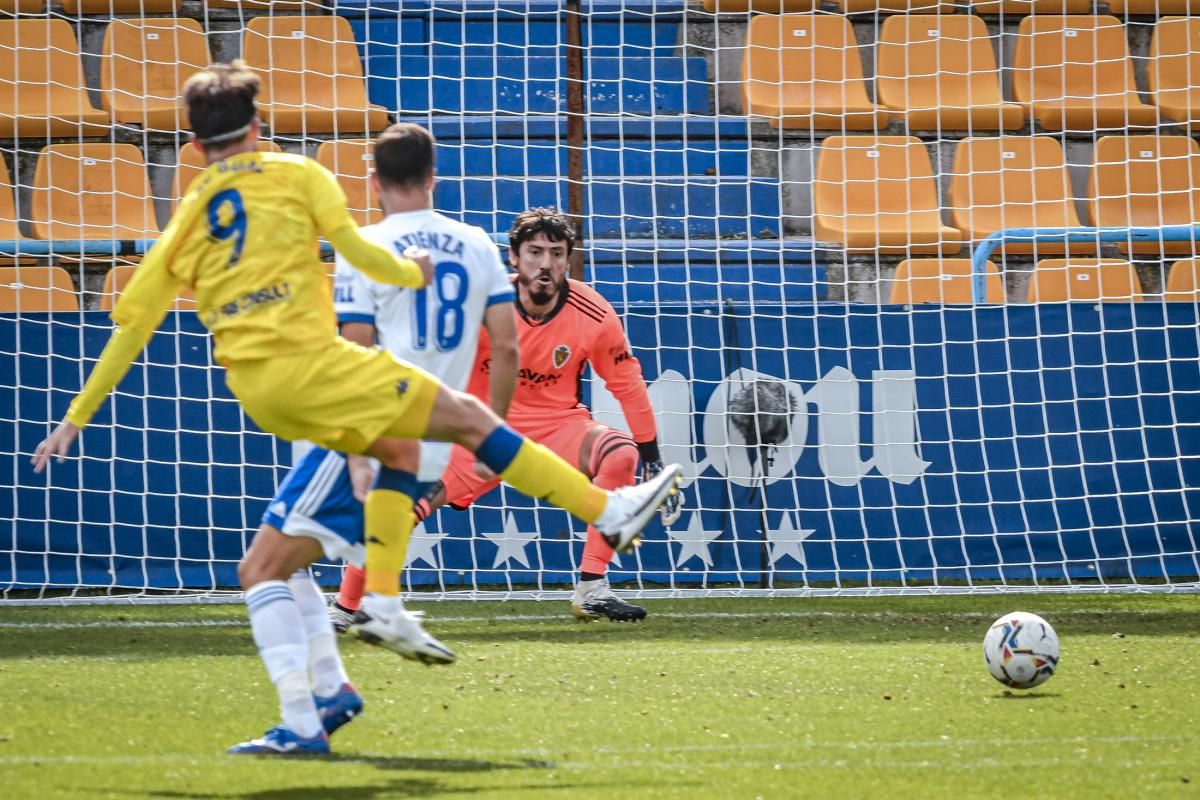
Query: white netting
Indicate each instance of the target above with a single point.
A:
(782, 202)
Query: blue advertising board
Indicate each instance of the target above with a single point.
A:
(822, 443)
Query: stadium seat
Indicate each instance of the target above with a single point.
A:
(147, 63)
(266, 5)
(312, 76)
(1155, 7)
(1075, 73)
(1173, 70)
(1183, 282)
(118, 277)
(9, 229)
(1015, 8)
(189, 163)
(878, 194)
(36, 289)
(22, 7)
(761, 6)
(895, 6)
(351, 161)
(92, 191)
(1000, 182)
(1108, 280)
(42, 91)
(121, 6)
(939, 72)
(941, 280)
(1146, 181)
(803, 71)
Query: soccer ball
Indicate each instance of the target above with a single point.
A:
(1021, 650)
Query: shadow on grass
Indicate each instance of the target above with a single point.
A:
(1027, 696)
(392, 787)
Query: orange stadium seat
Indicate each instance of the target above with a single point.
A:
(92, 191)
(761, 6)
(1074, 72)
(22, 7)
(265, 5)
(34, 289)
(189, 163)
(1014, 8)
(1106, 280)
(1155, 7)
(120, 6)
(42, 91)
(1000, 182)
(878, 194)
(312, 78)
(146, 64)
(1173, 70)
(351, 160)
(116, 279)
(1146, 181)
(941, 280)
(9, 230)
(803, 71)
(1183, 282)
(940, 72)
(895, 6)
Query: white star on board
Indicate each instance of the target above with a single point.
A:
(694, 540)
(786, 540)
(510, 543)
(420, 546)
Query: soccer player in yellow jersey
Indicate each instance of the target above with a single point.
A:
(245, 240)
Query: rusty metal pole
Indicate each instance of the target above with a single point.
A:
(575, 111)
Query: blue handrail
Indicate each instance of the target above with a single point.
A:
(1169, 233)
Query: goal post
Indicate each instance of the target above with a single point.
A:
(799, 217)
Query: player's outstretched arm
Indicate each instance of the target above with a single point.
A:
(501, 325)
(415, 270)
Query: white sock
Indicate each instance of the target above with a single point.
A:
(325, 670)
(584, 588)
(282, 645)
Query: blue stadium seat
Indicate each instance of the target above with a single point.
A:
(537, 85)
(624, 208)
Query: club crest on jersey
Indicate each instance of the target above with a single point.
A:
(562, 354)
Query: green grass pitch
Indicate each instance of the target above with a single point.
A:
(849, 697)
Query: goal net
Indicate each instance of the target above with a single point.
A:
(914, 292)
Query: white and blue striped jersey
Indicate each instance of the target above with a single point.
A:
(435, 328)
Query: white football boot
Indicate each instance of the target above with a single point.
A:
(384, 621)
(596, 600)
(631, 508)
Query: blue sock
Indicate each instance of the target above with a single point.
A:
(500, 448)
(399, 480)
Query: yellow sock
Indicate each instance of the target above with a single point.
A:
(389, 526)
(538, 472)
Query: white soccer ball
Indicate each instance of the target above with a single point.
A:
(1021, 650)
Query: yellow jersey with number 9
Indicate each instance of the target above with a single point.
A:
(245, 240)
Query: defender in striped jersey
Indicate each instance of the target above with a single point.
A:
(563, 325)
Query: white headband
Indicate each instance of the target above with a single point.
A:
(225, 137)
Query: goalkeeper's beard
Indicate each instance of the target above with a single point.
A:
(538, 296)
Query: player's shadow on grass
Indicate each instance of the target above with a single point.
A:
(398, 787)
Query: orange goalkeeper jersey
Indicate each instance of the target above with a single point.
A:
(583, 329)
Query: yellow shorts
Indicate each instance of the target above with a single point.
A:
(342, 398)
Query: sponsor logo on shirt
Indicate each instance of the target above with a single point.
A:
(562, 354)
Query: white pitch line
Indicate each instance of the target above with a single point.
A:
(437, 620)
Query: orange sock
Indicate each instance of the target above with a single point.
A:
(614, 463)
(351, 591)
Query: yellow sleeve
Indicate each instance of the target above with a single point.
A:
(326, 200)
(374, 261)
(138, 313)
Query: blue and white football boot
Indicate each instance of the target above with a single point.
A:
(339, 709)
(282, 741)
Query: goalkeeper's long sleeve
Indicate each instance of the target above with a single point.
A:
(375, 261)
